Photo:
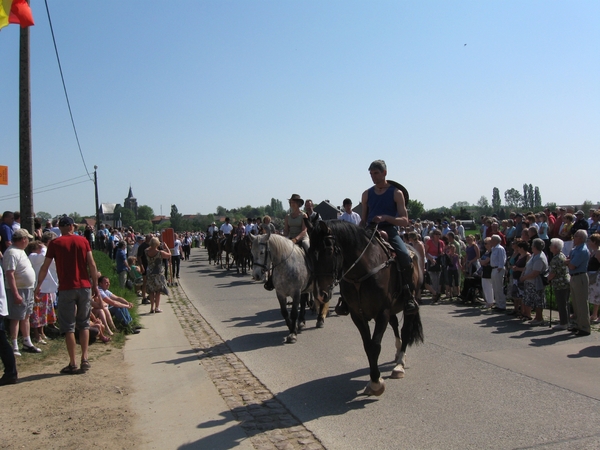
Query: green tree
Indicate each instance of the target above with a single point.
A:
(496, 202)
(176, 219)
(415, 209)
(484, 206)
(530, 196)
(551, 206)
(513, 198)
(586, 206)
(221, 211)
(145, 213)
(525, 196)
(76, 217)
(127, 217)
(44, 215)
(537, 198)
(143, 226)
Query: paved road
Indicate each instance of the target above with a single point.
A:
(480, 380)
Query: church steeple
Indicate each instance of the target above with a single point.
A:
(130, 193)
(131, 202)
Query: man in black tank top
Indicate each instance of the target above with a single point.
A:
(390, 215)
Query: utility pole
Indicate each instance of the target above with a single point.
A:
(25, 157)
(97, 240)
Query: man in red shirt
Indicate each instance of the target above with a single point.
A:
(77, 278)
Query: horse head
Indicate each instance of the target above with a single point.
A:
(260, 255)
(326, 259)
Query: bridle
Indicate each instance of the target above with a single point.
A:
(337, 264)
(266, 266)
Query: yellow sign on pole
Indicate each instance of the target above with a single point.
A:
(4, 175)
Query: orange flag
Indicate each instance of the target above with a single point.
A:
(20, 13)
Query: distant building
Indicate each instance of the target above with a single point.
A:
(130, 203)
(107, 213)
(326, 210)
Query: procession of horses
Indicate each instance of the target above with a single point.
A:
(342, 254)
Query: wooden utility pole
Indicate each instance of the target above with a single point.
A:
(25, 158)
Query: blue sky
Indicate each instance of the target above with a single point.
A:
(231, 103)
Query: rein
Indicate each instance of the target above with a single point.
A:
(265, 266)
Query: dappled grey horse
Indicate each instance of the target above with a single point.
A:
(291, 276)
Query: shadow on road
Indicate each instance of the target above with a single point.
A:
(588, 352)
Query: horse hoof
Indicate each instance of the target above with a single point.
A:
(320, 323)
(291, 339)
(372, 388)
(398, 372)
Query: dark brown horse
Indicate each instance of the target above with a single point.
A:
(369, 282)
(226, 244)
(243, 254)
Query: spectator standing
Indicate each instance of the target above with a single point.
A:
(156, 282)
(186, 246)
(20, 282)
(593, 266)
(348, 215)
(122, 264)
(143, 261)
(460, 230)
(434, 249)
(78, 278)
(43, 307)
(7, 356)
(560, 279)
(6, 231)
(498, 262)
(486, 274)
(176, 254)
(580, 222)
(535, 298)
(312, 215)
(577, 262)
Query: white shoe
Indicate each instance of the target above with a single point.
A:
(559, 327)
(16, 352)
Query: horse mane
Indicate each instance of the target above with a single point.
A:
(348, 235)
(280, 245)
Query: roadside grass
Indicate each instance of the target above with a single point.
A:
(56, 348)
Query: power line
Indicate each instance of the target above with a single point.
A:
(65, 89)
(42, 189)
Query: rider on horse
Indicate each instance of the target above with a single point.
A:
(383, 205)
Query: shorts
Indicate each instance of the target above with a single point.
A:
(19, 312)
(73, 310)
(452, 278)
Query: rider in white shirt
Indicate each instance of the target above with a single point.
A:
(348, 215)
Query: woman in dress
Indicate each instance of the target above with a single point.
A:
(535, 298)
(295, 226)
(593, 266)
(155, 278)
(43, 309)
(565, 233)
(472, 258)
(560, 280)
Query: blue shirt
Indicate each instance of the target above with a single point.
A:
(121, 261)
(579, 257)
(381, 204)
(6, 233)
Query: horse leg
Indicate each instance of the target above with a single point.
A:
(302, 312)
(400, 358)
(289, 321)
(372, 346)
(323, 310)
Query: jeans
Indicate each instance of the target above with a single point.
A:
(175, 260)
(398, 245)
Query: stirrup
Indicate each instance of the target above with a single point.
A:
(341, 309)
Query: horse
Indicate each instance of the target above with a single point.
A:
(369, 283)
(226, 244)
(243, 254)
(212, 247)
(291, 276)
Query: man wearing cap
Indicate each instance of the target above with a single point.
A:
(78, 281)
(580, 223)
(20, 281)
(383, 205)
(348, 215)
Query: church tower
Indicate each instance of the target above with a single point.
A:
(131, 203)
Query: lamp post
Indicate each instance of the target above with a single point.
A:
(97, 240)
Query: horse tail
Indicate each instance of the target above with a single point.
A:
(414, 329)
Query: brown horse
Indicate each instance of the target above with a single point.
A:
(225, 244)
(369, 282)
(243, 254)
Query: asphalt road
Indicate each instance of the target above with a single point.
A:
(480, 380)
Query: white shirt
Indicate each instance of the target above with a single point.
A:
(226, 228)
(498, 257)
(353, 217)
(3, 304)
(175, 250)
(50, 284)
(16, 259)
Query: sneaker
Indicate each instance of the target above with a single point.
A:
(536, 323)
(16, 352)
(559, 327)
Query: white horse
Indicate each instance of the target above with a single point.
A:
(291, 276)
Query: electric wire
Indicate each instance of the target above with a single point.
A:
(65, 89)
(42, 189)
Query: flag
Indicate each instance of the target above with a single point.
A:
(20, 13)
(4, 12)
